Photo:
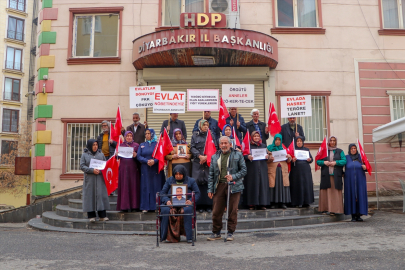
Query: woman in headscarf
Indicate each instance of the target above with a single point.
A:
(278, 176)
(301, 183)
(356, 201)
(172, 227)
(151, 179)
(330, 193)
(128, 177)
(200, 168)
(227, 131)
(256, 182)
(173, 158)
(93, 184)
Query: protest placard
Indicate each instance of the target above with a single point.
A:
(301, 155)
(142, 96)
(97, 164)
(238, 95)
(259, 154)
(297, 106)
(280, 155)
(203, 100)
(169, 102)
(125, 152)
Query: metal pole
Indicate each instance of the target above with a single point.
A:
(227, 211)
(376, 180)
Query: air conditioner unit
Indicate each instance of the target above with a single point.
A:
(228, 7)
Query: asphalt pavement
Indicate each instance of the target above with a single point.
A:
(376, 243)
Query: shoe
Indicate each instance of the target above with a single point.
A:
(332, 214)
(104, 219)
(209, 210)
(92, 220)
(354, 218)
(305, 205)
(284, 206)
(144, 211)
(229, 237)
(190, 241)
(272, 206)
(201, 211)
(214, 236)
(263, 208)
(358, 218)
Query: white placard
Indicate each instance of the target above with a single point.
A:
(142, 96)
(298, 106)
(259, 154)
(238, 95)
(279, 155)
(97, 164)
(203, 100)
(301, 155)
(125, 152)
(169, 102)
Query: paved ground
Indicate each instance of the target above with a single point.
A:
(377, 243)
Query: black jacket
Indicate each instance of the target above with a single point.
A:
(242, 127)
(112, 145)
(139, 135)
(288, 134)
(213, 126)
(173, 125)
(262, 126)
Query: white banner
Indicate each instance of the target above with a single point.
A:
(142, 96)
(259, 154)
(125, 152)
(169, 102)
(298, 106)
(203, 100)
(238, 95)
(279, 155)
(97, 164)
(301, 155)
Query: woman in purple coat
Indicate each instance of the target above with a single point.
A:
(128, 178)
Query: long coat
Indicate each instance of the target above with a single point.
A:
(151, 180)
(288, 134)
(272, 168)
(301, 183)
(91, 182)
(355, 188)
(213, 126)
(256, 180)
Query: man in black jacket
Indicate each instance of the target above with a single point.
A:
(104, 142)
(239, 125)
(257, 125)
(289, 131)
(136, 128)
(174, 123)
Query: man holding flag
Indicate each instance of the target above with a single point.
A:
(291, 130)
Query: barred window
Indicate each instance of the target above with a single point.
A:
(397, 104)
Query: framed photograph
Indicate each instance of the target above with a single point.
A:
(182, 150)
(179, 191)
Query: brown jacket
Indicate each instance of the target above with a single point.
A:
(271, 168)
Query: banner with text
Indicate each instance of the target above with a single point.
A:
(238, 95)
(203, 100)
(298, 106)
(169, 102)
(142, 96)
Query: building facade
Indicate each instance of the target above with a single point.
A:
(347, 54)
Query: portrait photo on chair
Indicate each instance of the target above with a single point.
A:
(181, 150)
(178, 192)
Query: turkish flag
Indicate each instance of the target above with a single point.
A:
(290, 149)
(162, 149)
(237, 142)
(246, 144)
(110, 174)
(116, 131)
(209, 149)
(364, 158)
(223, 114)
(273, 123)
(322, 153)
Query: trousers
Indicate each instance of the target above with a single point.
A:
(218, 207)
(101, 214)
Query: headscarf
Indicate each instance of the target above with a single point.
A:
(223, 131)
(89, 146)
(202, 121)
(182, 170)
(302, 139)
(330, 149)
(272, 147)
(130, 144)
(175, 141)
(355, 156)
(152, 135)
(252, 141)
(125, 137)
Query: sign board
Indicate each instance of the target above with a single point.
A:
(203, 100)
(238, 95)
(97, 164)
(259, 154)
(297, 106)
(125, 152)
(280, 155)
(203, 20)
(169, 102)
(142, 96)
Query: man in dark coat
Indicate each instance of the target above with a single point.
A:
(257, 125)
(137, 129)
(174, 123)
(105, 144)
(213, 125)
(240, 126)
(289, 131)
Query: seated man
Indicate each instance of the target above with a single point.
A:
(172, 230)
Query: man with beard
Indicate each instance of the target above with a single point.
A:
(137, 129)
(104, 141)
(290, 131)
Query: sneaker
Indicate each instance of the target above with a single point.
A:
(92, 220)
(229, 237)
(104, 219)
(214, 236)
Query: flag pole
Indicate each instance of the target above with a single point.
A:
(237, 117)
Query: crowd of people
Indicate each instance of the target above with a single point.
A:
(259, 184)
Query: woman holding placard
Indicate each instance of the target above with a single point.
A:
(180, 154)
(278, 173)
(93, 184)
(128, 177)
(151, 179)
(301, 184)
(256, 182)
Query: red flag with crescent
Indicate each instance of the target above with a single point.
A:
(210, 148)
(364, 158)
(273, 123)
(110, 174)
(237, 142)
(223, 114)
(246, 144)
(163, 148)
(322, 153)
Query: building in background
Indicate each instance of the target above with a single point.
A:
(348, 55)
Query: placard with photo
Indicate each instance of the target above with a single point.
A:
(179, 191)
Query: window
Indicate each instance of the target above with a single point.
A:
(96, 35)
(15, 28)
(8, 152)
(173, 8)
(297, 13)
(13, 58)
(17, 4)
(10, 120)
(397, 104)
(393, 12)
(12, 89)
